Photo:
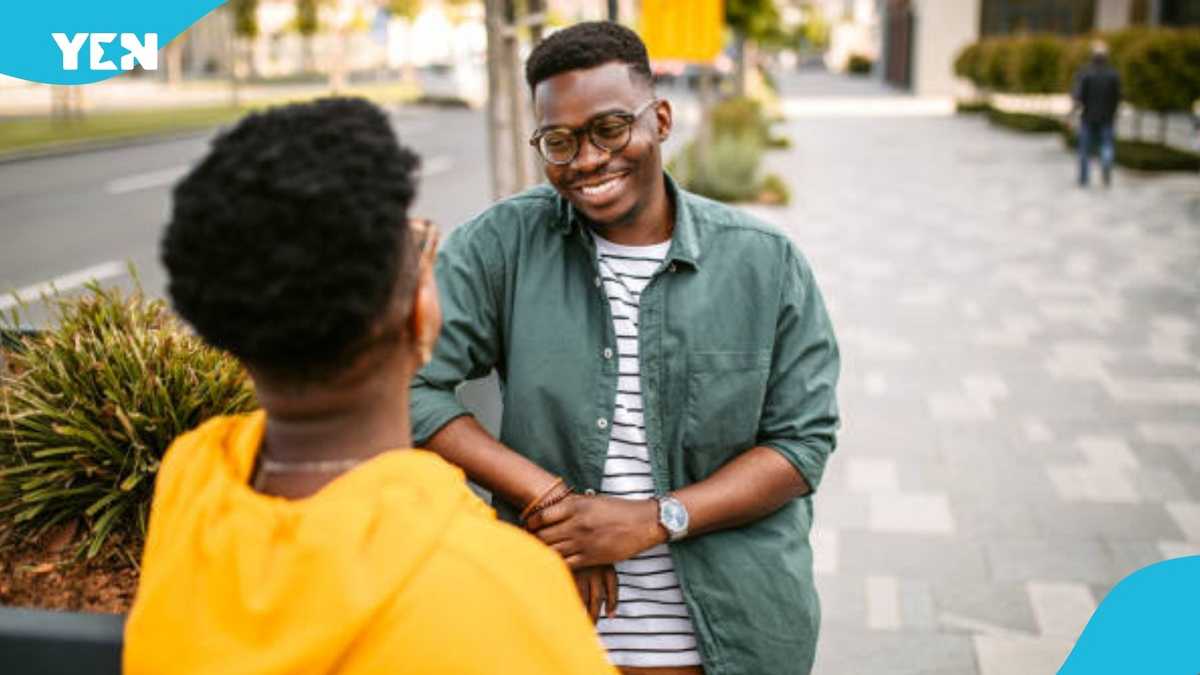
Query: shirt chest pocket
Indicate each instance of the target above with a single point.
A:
(725, 398)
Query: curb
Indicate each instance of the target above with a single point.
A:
(65, 149)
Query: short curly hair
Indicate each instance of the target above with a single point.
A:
(587, 45)
(289, 239)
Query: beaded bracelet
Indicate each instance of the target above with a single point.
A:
(533, 504)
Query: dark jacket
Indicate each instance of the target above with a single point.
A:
(1098, 91)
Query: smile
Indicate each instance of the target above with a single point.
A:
(602, 189)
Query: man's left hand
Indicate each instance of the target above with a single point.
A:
(593, 530)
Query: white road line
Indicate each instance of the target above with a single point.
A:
(145, 181)
(62, 284)
(436, 165)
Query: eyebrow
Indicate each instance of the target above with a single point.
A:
(602, 113)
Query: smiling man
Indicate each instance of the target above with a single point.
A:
(669, 376)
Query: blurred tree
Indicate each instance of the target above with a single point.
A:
(307, 24)
(245, 28)
(752, 21)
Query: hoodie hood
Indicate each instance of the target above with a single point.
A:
(236, 581)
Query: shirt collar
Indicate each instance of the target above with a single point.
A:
(685, 244)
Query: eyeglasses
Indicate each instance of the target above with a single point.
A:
(610, 132)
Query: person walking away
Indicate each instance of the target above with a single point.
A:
(1097, 93)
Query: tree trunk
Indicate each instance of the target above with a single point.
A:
(739, 69)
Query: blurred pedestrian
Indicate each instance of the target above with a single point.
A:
(308, 537)
(1097, 95)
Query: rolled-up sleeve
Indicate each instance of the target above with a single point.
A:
(469, 273)
(800, 413)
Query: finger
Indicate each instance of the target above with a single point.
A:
(549, 516)
(595, 595)
(566, 549)
(555, 534)
(581, 585)
(610, 590)
(574, 561)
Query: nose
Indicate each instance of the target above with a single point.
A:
(590, 158)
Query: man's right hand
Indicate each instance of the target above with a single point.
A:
(597, 586)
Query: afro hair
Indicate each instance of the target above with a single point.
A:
(291, 236)
(587, 45)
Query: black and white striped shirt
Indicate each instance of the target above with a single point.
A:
(652, 627)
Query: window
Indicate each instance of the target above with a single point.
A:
(1067, 17)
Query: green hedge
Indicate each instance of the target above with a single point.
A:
(1160, 68)
(1145, 156)
(1026, 122)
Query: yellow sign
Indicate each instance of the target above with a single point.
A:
(683, 30)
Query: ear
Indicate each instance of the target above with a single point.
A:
(425, 321)
(664, 117)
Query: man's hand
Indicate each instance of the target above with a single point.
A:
(597, 585)
(590, 531)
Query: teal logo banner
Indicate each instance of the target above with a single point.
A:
(1148, 623)
(85, 41)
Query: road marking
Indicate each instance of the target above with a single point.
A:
(436, 165)
(145, 181)
(62, 284)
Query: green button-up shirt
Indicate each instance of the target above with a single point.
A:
(736, 351)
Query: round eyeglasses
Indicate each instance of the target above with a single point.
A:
(610, 132)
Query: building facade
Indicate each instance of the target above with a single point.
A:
(921, 38)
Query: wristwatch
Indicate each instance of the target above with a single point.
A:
(673, 516)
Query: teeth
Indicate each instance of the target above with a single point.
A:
(601, 189)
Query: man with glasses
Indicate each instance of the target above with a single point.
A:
(669, 376)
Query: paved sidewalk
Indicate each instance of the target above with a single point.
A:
(1021, 384)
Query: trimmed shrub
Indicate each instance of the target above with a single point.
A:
(995, 65)
(89, 407)
(1036, 65)
(1025, 122)
(774, 191)
(727, 170)
(1145, 156)
(972, 107)
(859, 65)
(966, 65)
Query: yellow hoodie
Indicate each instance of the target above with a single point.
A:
(393, 567)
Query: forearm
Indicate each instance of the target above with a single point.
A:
(753, 485)
(497, 467)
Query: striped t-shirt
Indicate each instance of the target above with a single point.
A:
(652, 627)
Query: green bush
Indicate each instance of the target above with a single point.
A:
(727, 170)
(774, 191)
(1160, 71)
(972, 107)
(1025, 122)
(740, 116)
(90, 406)
(966, 64)
(1145, 156)
(1036, 65)
(995, 66)
(859, 65)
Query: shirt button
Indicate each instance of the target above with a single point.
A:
(671, 267)
(602, 423)
(596, 281)
(589, 492)
(608, 352)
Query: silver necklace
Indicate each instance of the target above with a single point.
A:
(313, 466)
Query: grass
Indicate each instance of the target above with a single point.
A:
(19, 136)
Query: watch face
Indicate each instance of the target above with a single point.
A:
(674, 516)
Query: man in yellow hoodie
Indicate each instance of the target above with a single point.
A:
(307, 537)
